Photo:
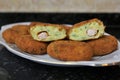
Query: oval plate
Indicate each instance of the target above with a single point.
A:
(107, 60)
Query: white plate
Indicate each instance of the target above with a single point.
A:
(107, 60)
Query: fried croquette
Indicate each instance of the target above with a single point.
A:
(35, 23)
(27, 44)
(10, 35)
(86, 30)
(104, 45)
(22, 29)
(47, 32)
(70, 50)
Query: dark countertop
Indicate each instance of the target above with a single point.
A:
(23, 69)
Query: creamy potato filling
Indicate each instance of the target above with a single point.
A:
(87, 31)
(47, 33)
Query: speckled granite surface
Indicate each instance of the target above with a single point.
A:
(23, 69)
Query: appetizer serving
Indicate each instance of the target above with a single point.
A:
(81, 42)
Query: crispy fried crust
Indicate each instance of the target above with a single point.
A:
(36, 23)
(10, 35)
(67, 28)
(70, 50)
(22, 29)
(104, 45)
(27, 44)
(88, 21)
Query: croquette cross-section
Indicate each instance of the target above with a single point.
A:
(47, 32)
(86, 30)
(70, 50)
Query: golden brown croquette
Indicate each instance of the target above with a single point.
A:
(27, 44)
(70, 50)
(104, 45)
